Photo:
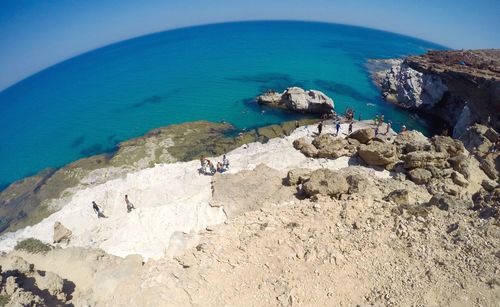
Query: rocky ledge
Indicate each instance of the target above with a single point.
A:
(29, 200)
(461, 87)
(299, 100)
(306, 219)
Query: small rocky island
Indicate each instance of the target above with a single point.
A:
(461, 87)
(299, 100)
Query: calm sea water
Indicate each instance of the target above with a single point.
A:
(87, 104)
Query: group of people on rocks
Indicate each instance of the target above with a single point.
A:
(349, 116)
(100, 213)
(208, 168)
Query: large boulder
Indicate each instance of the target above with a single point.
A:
(297, 176)
(459, 179)
(443, 201)
(378, 153)
(298, 99)
(25, 298)
(357, 183)
(306, 148)
(446, 144)
(325, 182)
(51, 282)
(420, 175)
(363, 135)
(460, 163)
(61, 233)
(422, 159)
(330, 147)
(489, 167)
(399, 197)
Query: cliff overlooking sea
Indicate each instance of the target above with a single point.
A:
(321, 209)
(460, 87)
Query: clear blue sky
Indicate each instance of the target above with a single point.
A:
(35, 34)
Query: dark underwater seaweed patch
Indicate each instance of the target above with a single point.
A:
(342, 89)
(77, 142)
(92, 150)
(276, 81)
(147, 101)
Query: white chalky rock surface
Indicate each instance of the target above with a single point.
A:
(168, 197)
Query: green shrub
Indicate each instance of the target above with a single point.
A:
(34, 246)
(4, 299)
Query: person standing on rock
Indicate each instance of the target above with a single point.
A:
(376, 130)
(296, 124)
(320, 127)
(375, 121)
(359, 117)
(403, 129)
(337, 127)
(389, 124)
(350, 127)
(130, 206)
(97, 210)
(225, 162)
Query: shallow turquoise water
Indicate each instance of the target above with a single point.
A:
(86, 105)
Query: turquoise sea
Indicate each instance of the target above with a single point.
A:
(87, 104)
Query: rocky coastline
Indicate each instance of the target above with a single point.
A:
(461, 87)
(29, 200)
(418, 215)
(302, 216)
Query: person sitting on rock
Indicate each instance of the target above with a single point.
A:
(220, 169)
(211, 167)
(97, 210)
(225, 162)
(130, 205)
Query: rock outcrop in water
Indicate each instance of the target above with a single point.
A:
(299, 100)
(461, 87)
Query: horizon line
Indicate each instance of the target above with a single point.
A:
(7, 87)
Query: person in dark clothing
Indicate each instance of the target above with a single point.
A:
(97, 210)
(320, 127)
(350, 127)
(130, 206)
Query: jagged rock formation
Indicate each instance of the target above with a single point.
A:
(26, 286)
(61, 233)
(297, 99)
(462, 87)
